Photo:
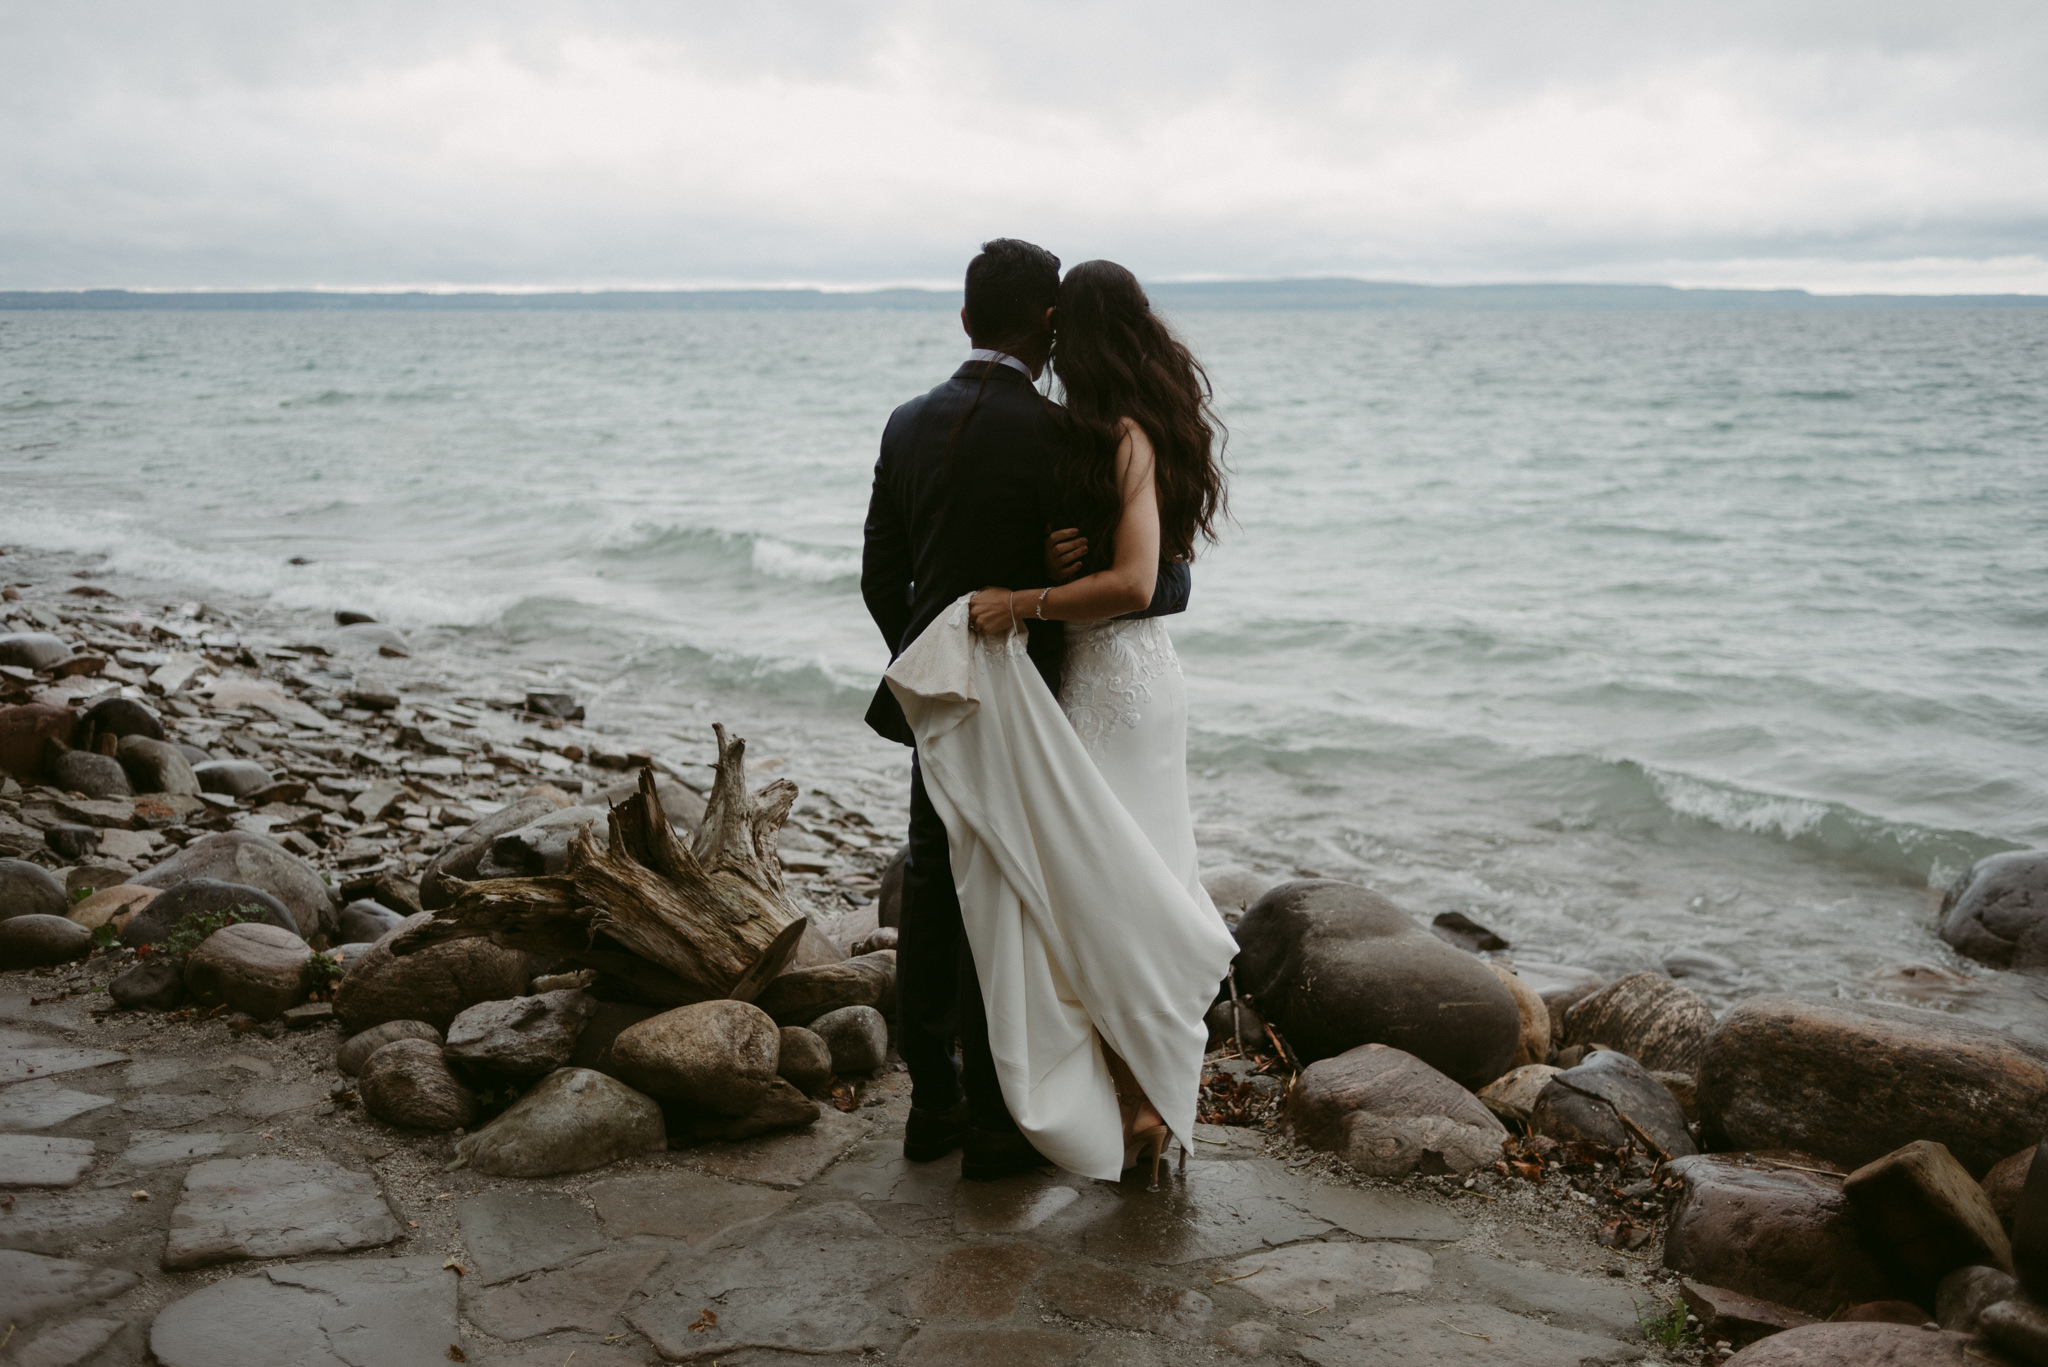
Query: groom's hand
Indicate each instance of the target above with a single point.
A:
(1064, 551)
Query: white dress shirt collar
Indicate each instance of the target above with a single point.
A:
(1001, 358)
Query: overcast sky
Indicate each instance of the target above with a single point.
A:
(1837, 146)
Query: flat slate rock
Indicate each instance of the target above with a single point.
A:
(171, 1111)
(68, 1344)
(149, 1148)
(586, 1295)
(19, 1065)
(54, 1222)
(1594, 1305)
(41, 1104)
(370, 1312)
(1308, 1278)
(1469, 1335)
(29, 1160)
(32, 1286)
(799, 1285)
(692, 1206)
(274, 1208)
(1217, 1210)
(1372, 1213)
(512, 1233)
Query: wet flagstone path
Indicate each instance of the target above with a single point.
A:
(216, 1209)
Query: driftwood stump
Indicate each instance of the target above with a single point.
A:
(676, 922)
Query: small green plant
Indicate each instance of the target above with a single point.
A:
(79, 895)
(323, 973)
(1665, 1326)
(104, 936)
(193, 930)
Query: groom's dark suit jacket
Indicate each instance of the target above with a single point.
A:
(958, 506)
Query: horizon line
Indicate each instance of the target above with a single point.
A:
(445, 289)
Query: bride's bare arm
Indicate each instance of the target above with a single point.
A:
(1126, 586)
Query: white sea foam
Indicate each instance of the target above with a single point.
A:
(781, 560)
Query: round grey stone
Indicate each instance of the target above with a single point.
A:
(356, 1050)
(234, 777)
(30, 890)
(82, 771)
(574, 1120)
(36, 941)
(857, 1036)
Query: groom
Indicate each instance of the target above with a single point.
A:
(964, 496)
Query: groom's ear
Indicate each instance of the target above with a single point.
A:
(964, 327)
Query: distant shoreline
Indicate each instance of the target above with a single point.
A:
(1315, 294)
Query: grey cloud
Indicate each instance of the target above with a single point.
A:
(250, 145)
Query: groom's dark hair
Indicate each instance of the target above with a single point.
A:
(1010, 285)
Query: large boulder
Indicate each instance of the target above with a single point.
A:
(801, 995)
(254, 968)
(1998, 913)
(519, 1036)
(1927, 1216)
(720, 1056)
(1389, 1114)
(1648, 1017)
(1773, 1227)
(1533, 1045)
(38, 941)
(1852, 1081)
(95, 776)
(434, 984)
(1334, 966)
(255, 861)
(1859, 1345)
(1613, 1100)
(355, 1051)
(407, 1084)
(574, 1120)
(30, 890)
(458, 859)
(157, 766)
(164, 913)
(25, 735)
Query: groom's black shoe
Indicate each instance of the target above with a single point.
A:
(930, 1135)
(990, 1155)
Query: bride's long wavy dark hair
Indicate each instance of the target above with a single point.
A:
(1116, 359)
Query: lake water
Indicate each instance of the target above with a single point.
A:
(1624, 633)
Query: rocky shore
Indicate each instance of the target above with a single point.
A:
(263, 1099)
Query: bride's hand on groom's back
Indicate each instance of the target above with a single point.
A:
(1065, 549)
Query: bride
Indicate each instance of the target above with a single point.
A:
(1097, 950)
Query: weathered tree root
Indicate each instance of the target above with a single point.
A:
(675, 922)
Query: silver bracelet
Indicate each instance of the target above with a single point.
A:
(1040, 614)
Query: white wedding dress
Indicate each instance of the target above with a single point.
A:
(1074, 854)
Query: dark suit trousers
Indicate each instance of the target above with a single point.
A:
(937, 992)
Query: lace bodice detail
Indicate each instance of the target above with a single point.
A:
(1109, 671)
